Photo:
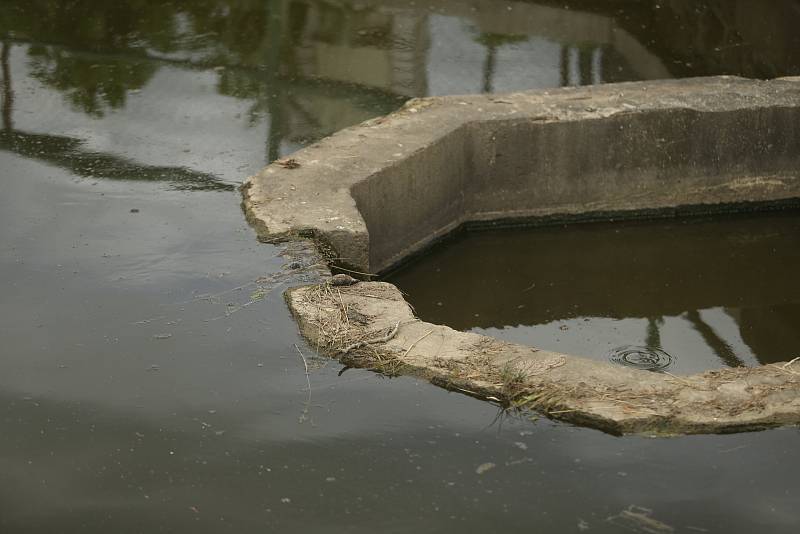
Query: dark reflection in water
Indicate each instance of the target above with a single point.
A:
(147, 384)
(308, 68)
(708, 292)
(68, 152)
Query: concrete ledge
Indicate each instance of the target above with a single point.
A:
(370, 325)
(375, 193)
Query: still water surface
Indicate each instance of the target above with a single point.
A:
(709, 292)
(149, 379)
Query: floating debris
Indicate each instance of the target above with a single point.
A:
(639, 519)
(485, 467)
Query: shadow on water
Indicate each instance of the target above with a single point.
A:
(290, 58)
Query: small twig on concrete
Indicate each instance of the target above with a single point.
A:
(786, 366)
(383, 339)
(344, 308)
(408, 350)
(352, 271)
(679, 379)
(473, 393)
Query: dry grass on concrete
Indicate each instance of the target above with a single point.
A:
(343, 331)
(348, 332)
(369, 325)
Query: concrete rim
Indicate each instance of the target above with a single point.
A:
(369, 324)
(342, 193)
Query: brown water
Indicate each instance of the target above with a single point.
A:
(148, 376)
(708, 292)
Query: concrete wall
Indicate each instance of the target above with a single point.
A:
(382, 191)
(643, 160)
(430, 186)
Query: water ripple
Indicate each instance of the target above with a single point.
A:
(645, 358)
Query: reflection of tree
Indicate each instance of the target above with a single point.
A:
(653, 339)
(720, 347)
(8, 90)
(277, 89)
(95, 53)
(97, 26)
(771, 332)
(90, 81)
(89, 84)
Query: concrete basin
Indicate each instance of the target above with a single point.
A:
(374, 195)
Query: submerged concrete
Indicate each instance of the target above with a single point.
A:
(372, 195)
(378, 192)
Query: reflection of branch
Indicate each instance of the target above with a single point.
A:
(8, 91)
(488, 69)
(309, 116)
(653, 332)
(720, 347)
(69, 153)
(307, 408)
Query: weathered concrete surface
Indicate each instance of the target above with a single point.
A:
(375, 193)
(370, 325)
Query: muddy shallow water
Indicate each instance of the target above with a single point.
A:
(149, 379)
(704, 293)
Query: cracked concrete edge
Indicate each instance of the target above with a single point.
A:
(595, 394)
(317, 195)
(314, 200)
(313, 197)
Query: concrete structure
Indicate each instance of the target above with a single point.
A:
(373, 195)
(370, 325)
(378, 192)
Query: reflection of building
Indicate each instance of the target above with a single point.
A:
(307, 68)
(374, 46)
(386, 45)
(396, 50)
(584, 38)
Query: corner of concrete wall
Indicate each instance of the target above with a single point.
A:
(381, 191)
(414, 201)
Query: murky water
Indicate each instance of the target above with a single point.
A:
(149, 379)
(677, 295)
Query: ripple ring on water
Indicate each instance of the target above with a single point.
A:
(644, 358)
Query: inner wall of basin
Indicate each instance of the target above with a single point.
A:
(709, 292)
(517, 168)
